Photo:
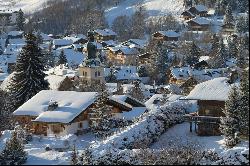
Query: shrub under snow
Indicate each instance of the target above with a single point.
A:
(141, 134)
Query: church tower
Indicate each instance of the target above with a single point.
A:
(92, 70)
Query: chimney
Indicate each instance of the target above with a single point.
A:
(233, 76)
(52, 105)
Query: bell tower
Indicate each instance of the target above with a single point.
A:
(92, 70)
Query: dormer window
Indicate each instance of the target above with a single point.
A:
(52, 105)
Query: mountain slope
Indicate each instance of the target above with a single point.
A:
(154, 7)
(28, 6)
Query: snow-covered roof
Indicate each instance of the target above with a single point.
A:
(129, 51)
(110, 42)
(82, 36)
(13, 49)
(201, 21)
(180, 72)
(17, 41)
(105, 32)
(74, 58)
(215, 89)
(3, 76)
(62, 70)
(124, 98)
(73, 39)
(15, 33)
(62, 42)
(70, 105)
(124, 73)
(139, 43)
(170, 98)
(200, 8)
(169, 33)
(134, 113)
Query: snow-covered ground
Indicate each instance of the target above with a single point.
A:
(36, 148)
(180, 134)
(28, 6)
(154, 8)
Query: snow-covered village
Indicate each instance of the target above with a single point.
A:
(114, 82)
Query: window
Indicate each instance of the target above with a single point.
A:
(80, 125)
(95, 74)
(99, 73)
(56, 128)
(83, 73)
(86, 74)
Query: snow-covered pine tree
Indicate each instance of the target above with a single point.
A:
(220, 58)
(138, 23)
(13, 153)
(193, 55)
(244, 104)
(229, 126)
(100, 115)
(28, 78)
(20, 20)
(243, 53)
(62, 58)
(136, 91)
(86, 157)
(74, 157)
(228, 17)
(242, 25)
(232, 47)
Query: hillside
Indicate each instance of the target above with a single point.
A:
(127, 7)
(28, 6)
(154, 7)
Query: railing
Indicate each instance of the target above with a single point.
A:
(209, 119)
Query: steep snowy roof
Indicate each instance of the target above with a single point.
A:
(201, 8)
(17, 41)
(62, 42)
(215, 89)
(170, 33)
(73, 39)
(105, 32)
(201, 21)
(129, 51)
(134, 113)
(15, 33)
(70, 105)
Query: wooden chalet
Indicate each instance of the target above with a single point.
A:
(211, 96)
(58, 113)
(166, 36)
(187, 15)
(228, 28)
(199, 24)
(104, 34)
(199, 10)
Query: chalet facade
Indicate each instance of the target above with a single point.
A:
(199, 24)
(187, 15)
(228, 28)
(104, 35)
(166, 36)
(211, 96)
(51, 113)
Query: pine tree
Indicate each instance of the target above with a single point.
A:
(242, 24)
(13, 153)
(29, 74)
(220, 58)
(244, 104)
(62, 58)
(86, 158)
(136, 91)
(193, 54)
(138, 23)
(229, 126)
(232, 47)
(20, 20)
(100, 115)
(74, 157)
(228, 18)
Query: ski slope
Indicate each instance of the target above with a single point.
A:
(28, 6)
(154, 8)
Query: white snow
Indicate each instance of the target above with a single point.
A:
(154, 8)
(54, 81)
(170, 33)
(134, 113)
(70, 104)
(215, 89)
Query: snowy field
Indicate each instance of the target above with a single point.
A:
(37, 155)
